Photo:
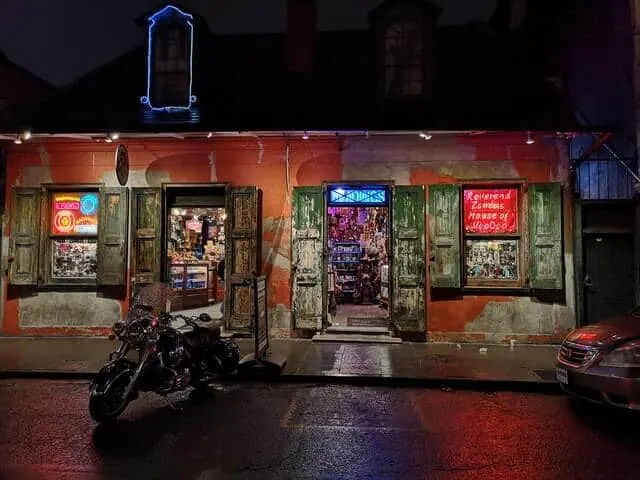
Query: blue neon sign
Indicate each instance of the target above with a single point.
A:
(162, 16)
(360, 195)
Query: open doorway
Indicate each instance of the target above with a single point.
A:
(195, 249)
(358, 257)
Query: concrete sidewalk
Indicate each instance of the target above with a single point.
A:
(523, 368)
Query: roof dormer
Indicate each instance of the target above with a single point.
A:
(170, 44)
(404, 32)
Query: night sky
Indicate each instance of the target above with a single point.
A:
(60, 40)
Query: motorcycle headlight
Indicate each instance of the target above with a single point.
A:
(627, 355)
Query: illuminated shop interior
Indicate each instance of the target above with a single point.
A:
(358, 243)
(195, 248)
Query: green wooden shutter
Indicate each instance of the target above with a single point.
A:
(112, 239)
(146, 224)
(24, 240)
(444, 235)
(408, 270)
(545, 236)
(242, 262)
(307, 247)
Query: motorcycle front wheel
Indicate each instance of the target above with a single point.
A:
(106, 399)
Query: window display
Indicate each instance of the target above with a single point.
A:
(492, 233)
(492, 259)
(74, 258)
(74, 214)
(73, 236)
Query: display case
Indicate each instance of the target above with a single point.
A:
(346, 257)
(189, 282)
(216, 285)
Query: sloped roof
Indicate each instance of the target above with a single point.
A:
(242, 83)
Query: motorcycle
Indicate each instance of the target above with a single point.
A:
(169, 359)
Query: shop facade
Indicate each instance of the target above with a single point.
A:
(463, 237)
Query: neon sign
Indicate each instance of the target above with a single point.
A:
(155, 20)
(365, 195)
(491, 211)
(74, 214)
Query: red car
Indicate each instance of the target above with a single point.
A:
(601, 362)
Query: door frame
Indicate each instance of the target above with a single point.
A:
(167, 186)
(579, 252)
(389, 184)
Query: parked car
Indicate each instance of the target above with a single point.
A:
(601, 362)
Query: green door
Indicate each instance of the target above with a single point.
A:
(307, 257)
(408, 267)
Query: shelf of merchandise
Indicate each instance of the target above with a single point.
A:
(345, 258)
(190, 285)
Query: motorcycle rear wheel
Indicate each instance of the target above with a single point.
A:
(107, 402)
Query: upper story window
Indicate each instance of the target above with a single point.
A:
(170, 60)
(403, 59)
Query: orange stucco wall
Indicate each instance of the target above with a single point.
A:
(276, 166)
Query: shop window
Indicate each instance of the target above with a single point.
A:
(492, 236)
(496, 236)
(77, 235)
(73, 237)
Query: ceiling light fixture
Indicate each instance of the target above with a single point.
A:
(530, 139)
(26, 135)
(114, 135)
(425, 135)
(305, 136)
(17, 140)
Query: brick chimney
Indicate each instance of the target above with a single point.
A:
(301, 28)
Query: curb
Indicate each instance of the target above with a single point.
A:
(469, 384)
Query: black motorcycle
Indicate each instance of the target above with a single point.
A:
(168, 359)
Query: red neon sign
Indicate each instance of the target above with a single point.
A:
(491, 210)
(74, 214)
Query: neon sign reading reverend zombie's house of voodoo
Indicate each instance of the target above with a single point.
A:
(491, 211)
(167, 59)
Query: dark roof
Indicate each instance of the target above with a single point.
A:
(242, 83)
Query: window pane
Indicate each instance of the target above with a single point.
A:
(491, 210)
(74, 258)
(74, 213)
(491, 259)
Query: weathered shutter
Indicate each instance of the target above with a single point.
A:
(545, 236)
(307, 250)
(112, 239)
(444, 235)
(146, 223)
(24, 241)
(241, 255)
(408, 277)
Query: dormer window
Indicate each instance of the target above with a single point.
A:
(404, 33)
(403, 59)
(169, 60)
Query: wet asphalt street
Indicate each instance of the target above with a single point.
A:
(261, 431)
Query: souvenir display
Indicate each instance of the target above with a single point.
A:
(358, 238)
(74, 259)
(195, 247)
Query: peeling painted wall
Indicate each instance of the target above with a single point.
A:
(268, 164)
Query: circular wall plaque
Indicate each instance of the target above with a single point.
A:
(122, 164)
